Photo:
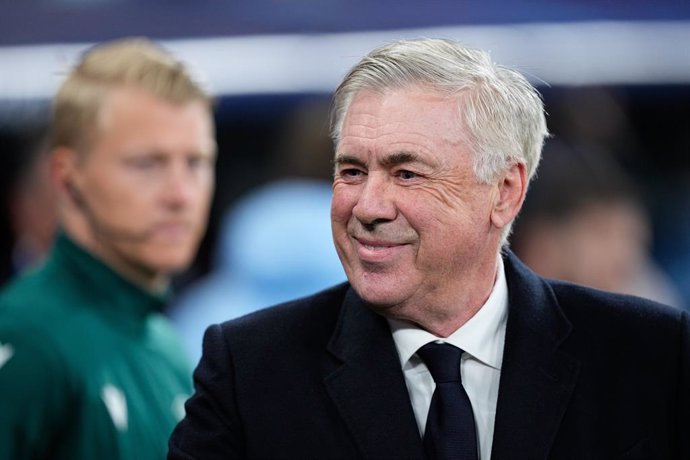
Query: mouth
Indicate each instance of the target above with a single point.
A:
(377, 251)
(376, 245)
(173, 230)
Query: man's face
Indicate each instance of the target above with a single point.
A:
(145, 184)
(411, 223)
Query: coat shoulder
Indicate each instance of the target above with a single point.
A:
(584, 302)
(307, 318)
(605, 323)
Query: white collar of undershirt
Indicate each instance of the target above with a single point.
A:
(482, 337)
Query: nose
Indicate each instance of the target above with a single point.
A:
(375, 203)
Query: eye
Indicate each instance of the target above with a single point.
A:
(144, 162)
(194, 162)
(407, 175)
(199, 162)
(351, 172)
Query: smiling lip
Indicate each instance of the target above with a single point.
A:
(376, 250)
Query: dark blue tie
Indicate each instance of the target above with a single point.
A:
(450, 431)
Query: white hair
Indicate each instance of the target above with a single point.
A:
(502, 113)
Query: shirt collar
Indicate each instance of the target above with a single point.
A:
(102, 286)
(482, 336)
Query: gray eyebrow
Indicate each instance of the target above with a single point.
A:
(393, 159)
(399, 158)
(351, 159)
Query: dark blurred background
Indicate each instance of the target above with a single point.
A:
(615, 77)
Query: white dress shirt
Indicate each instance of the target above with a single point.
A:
(482, 339)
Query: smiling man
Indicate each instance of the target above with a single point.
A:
(440, 345)
(91, 368)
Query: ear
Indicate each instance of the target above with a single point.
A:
(63, 167)
(510, 195)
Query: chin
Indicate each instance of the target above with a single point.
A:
(380, 288)
(378, 296)
(172, 264)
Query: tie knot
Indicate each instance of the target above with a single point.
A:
(443, 361)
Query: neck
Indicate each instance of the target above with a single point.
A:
(79, 230)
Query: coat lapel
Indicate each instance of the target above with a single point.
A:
(368, 388)
(537, 378)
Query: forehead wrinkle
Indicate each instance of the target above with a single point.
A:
(372, 128)
(362, 124)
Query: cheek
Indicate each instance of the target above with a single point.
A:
(202, 202)
(445, 228)
(122, 204)
(432, 209)
(341, 206)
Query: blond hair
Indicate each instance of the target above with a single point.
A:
(135, 62)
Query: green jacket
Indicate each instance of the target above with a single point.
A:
(89, 367)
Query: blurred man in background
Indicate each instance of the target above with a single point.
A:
(89, 367)
(584, 221)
